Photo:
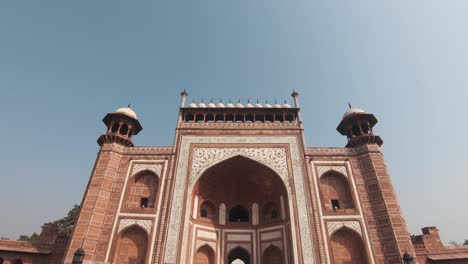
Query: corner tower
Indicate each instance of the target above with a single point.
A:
(93, 230)
(388, 232)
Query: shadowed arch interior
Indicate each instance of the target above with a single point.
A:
(238, 254)
(208, 210)
(347, 247)
(239, 182)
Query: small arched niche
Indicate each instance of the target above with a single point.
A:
(17, 261)
(131, 246)
(239, 214)
(271, 213)
(272, 255)
(335, 192)
(347, 247)
(207, 211)
(142, 191)
(204, 255)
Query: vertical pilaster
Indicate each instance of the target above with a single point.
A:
(387, 217)
(98, 208)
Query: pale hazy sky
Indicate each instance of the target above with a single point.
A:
(65, 64)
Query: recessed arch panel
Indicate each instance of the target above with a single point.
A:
(347, 247)
(131, 246)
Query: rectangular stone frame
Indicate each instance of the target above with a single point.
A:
(179, 196)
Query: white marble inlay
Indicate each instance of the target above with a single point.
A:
(156, 168)
(338, 168)
(145, 224)
(335, 226)
(278, 244)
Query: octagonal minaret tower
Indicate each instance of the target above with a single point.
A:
(121, 126)
(357, 126)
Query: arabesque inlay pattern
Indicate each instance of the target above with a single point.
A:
(204, 158)
(246, 246)
(145, 224)
(278, 244)
(156, 168)
(335, 226)
(201, 243)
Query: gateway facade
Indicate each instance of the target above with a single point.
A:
(240, 186)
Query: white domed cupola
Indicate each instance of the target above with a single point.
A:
(357, 126)
(121, 126)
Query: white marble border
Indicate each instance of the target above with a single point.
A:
(172, 248)
(128, 176)
(352, 184)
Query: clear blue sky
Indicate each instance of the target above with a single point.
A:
(65, 64)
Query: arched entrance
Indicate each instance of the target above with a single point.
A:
(205, 255)
(347, 247)
(239, 256)
(272, 255)
(251, 196)
(131, 247)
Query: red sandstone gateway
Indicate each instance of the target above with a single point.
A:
(237, 187)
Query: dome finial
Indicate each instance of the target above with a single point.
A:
(129, 106)
(349, 104)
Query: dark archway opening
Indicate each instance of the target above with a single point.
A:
(239, 254)
(239, 214)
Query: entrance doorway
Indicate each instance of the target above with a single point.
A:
(239, 256)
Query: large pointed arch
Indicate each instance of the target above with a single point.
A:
(178, 239)
(240, 182)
